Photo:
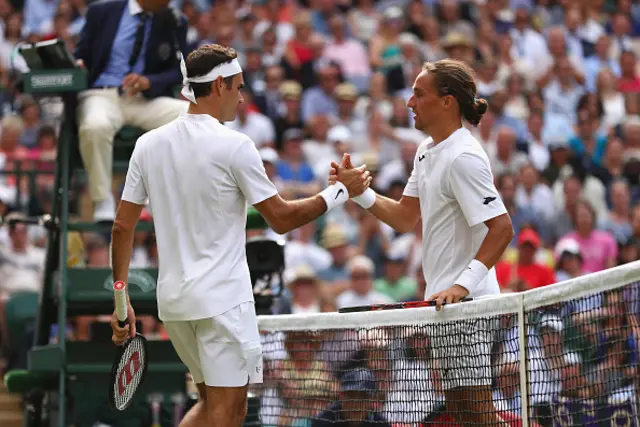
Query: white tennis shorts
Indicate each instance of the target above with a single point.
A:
(462, 350)
(222, 351)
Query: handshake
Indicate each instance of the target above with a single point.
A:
(356, 180)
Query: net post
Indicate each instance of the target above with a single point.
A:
(524, 362)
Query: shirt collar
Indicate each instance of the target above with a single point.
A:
(134, 8)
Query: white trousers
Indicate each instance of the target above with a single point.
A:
(101, 113)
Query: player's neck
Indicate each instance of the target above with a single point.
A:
(206, 108)
(442, 131)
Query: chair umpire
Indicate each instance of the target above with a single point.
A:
(130, 50)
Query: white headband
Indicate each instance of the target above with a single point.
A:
(225, 70)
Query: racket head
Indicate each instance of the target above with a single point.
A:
(128, 372)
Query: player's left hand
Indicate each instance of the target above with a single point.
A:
(449, 296)
(135, 83)
(121, 334)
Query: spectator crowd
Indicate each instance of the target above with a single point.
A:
(327, 77)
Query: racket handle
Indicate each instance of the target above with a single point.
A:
(120, 297)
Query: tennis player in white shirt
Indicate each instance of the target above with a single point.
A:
(198, 177)
(466, 228)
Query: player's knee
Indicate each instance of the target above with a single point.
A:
(230, 409)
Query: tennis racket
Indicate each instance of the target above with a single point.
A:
(130, 365)
(393, 306)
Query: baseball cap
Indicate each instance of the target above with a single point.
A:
(301, 272)
(293, 134)
(529, 236)
(360, 379)
(339, 134)
(269, 155)
(569, 246)
(360, 262)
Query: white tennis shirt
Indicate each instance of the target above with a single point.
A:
(454, 182)
(198, 176)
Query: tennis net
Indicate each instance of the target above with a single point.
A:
(563, 355)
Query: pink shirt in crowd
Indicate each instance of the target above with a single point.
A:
(596, 249)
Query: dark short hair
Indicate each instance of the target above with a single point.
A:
(204, 59)
(457, 79)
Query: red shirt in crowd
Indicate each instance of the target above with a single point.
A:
(629, 85)
(535, 275)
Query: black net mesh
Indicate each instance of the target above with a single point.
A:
(583, 360)
(581, 368)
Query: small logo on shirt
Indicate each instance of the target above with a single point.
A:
(164, 51)
(257, 369)
(488, 200)
(421, 158)
(340, 191)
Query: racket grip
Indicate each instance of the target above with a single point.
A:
(120, 297)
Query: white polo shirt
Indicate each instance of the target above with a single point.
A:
(198, 176)
(454, 182)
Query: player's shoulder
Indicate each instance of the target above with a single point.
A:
(152, 137)
(467, 149)
(233, 135)
(236, 142)
(466, 141)
(424, 146)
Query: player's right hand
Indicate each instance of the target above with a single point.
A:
(355, 179)
(121, 334)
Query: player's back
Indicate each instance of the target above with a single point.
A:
(199, 213)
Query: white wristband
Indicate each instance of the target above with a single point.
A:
(366, 199)
(472, 275)
(335, 195)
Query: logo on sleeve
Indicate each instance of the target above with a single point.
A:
(421, 158)
(488, 200)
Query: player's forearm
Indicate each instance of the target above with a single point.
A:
(121, 251)
(299, 213)
(393, 213)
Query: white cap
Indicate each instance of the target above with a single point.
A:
(300, 272)
(360, 262)
(567, 245)
(269, 155)
(339, 134)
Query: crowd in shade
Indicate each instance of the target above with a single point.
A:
(328, 77)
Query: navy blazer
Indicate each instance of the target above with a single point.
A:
(162, 66)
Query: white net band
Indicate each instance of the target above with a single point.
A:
(564, 355)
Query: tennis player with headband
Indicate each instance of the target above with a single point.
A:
(465, 229)
(198, 177)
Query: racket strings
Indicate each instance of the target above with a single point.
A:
(129, 373)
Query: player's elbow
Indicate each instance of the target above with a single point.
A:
(280, 226)
(121, 228)
(279, 223)
(407, 222)
(404, 226)
(502, 226)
